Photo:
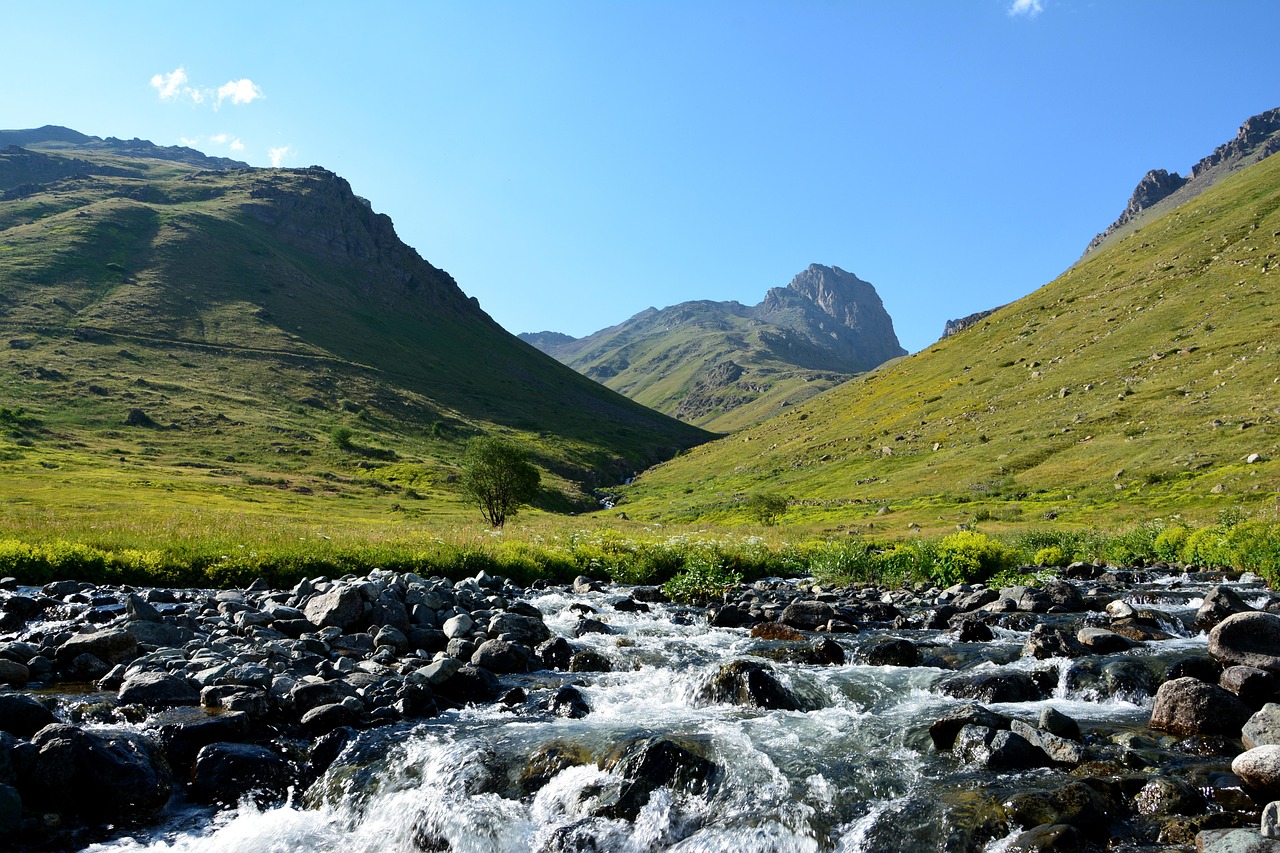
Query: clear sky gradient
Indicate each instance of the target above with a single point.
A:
(572, 163)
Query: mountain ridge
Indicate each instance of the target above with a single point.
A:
(724, 364)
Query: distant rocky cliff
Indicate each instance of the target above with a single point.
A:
(1160, 191)
(954, 327)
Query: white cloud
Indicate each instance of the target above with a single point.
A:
(171, 85)
(237, 145)
(1030, 8)
(190, 142)
(221, 139)
(242, 91)
(278, 154)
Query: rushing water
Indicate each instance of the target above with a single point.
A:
(855, 772)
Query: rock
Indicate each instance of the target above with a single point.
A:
(470, 685)
(1270, 825)
(1261, 729)
(731, 616)
(1100, 641)
(111, 647)
(1254, 686)
(891, 652)
(1049, 641)
(522, 629)
(1200, 667)
(944, 730)
(323, 719)
(554, 653)
(650, 763)
(590, 626)
(997, 750)
(1128, 678)
(973, 630)
(1047, 838)
(1074, 803)
(113, 775)
(10, 810)
(13, 673)
(743, 682)
(1219, 603)
(312, 694)
(342, 607)
(22, 715)
(1259, 769)
(182, 740)
(1247, 639)
(1001, 686)
(138, 609)
(1235, 841)
(1058, 723)
(569, 703)
(157, 690)
(590, 660)
(1057, 749)
(225, 772)
(548, 762)
(807, 615)
(458, 627)
(1186, 706)
(501, 656)
(1165, 796)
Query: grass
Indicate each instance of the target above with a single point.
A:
(1134, 386)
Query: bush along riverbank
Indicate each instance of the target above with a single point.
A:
(1145, 700)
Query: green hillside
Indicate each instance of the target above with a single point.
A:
(1144, 381)
(173, 334)
(724, 365)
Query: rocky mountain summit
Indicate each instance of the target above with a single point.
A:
(722, 365)
(955, 327)
(1160, 191)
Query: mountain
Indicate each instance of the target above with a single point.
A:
(164, 314)
(723, 365)
(955, 327)
(1140, 383)
(1160, 191)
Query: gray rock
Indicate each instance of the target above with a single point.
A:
(1100, 641)
(1235, 841)
(807, 615)
(1047, 838)
(157, 690)
(1248, 639)
(501, 656)
(139, 610)
(1049, 641)
(944, 730)
(1165, 796)
(1058, 723)
(13, 673)
(1002, 686)
(524, 629)
(1254, 686)
(23, 716)
(1270, 824)
(341, 607)
(1259, 768)
(226, 772)
(744, 682)
(1185, 706)
(1219, 603)
(1263, 727)
(111, 647)
(458, 627)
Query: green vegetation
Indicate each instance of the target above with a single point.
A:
(766, 507)
(497, 477)
(1139, 384)
(701, 582)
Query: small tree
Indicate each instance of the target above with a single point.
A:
(766, 507)
(498, 477)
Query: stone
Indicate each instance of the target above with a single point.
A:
(569, 703)
(997, 750)
(649, 763)
(528, 630)
(743, 682)
(1259, 768)
(1100, 641)
(137, 609)
(22, 715)
(1167, 796)
(501, 656)
(943, 731)
(323, 719)
(589, 660)
(1001, 686)
(1075, 803)
(458, 627)
(1049, 641)
(1047, 838)
(973, 631)
(341, 607)
(157, 690)
(225, 772)
(111, 646)
(807, 615)
(470, 685)
(891, 652)
(1058, 723)
(1261, 729)
(13, 673)
(1235, 841)
(1248, 639)
(1219, 603)
(1185, 706)
(554, 653)
(1254, 686)
(1270, 824)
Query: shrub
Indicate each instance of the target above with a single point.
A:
(968, 556)
(1051, 556)
(1169, 543)
(700, 582)
(1207, 546)
(766, 507)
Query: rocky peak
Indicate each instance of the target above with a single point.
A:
(1257, 138)
(955, 327)
(841, 295)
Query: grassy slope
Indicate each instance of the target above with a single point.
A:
(248, 314)
(1134, 385)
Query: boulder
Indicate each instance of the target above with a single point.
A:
(999, 686)
(501, 656)
(341, 607)
(1254, 686)
(1263, 727)
(1247, 639)
(1164, 795)
(157, 690)
(554, 653)
(1050, 641)
(891, 652)
(944, 730)
(22, 715)
(528, 630)
(1075, 803)
(470, 685)
(1185, 706)
(743, 682)
(589, 660)
(1100, 641)
(807, 615)
(323, 719)
(12, 672)
(1259, 769)
(225, 772)
(646, 764)
(569, 703)
(997, 750)
(1219, 603)
(1047, 838)
(112, 646)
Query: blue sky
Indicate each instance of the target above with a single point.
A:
(572, 163)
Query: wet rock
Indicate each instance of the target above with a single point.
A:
(732, 616)
(1058, 750)
(225, 772)
(470, 685)
(157, 690)
(1259, 769)
(1047, 838)
(10, 810)
(589, 660)
(1262, 728)
(891, 652)
(1186, 706)
(1248, 639)
(807, 615)
(182, 740)
(548, 762)
(1002, 686)
(583, 585)
(1128, 678)
(501, 656)
(776, 631)
(1235, 841)
(1075, 803)
(1254, 686)
(323, 719)
(312, 694)
(1271, 820)
(649, 763)
(1100, 641)
(1200, 667)
(1058, 723)
(743, 682)
(1050, 641)
(973, 631)
(996, 750)
(570, 703)
(22, 715)
(944, 730)
(13, 673)
(649, 595)
(524, 629)
(1219, 603)
(590, 626)
(827, 652)
(554, 653)
(113, 775)
(1169, 796)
